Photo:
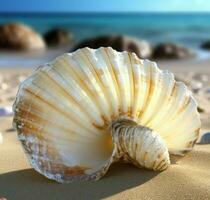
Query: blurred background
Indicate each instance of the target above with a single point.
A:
(175, 34)
(39, 30)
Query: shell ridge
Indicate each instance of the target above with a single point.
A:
(45, 120)
(51, 106)
(117, 88)
(152, 95)
(147, 91)
(102, 86)
(91, 75)
(177, 101)
(132, 87)
(69, 96)
(85, 87)
(178, 117)
(158, 100)
(108, 79)
(120, 80)
(126, 74)
(161, 108)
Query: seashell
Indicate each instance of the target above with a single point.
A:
(85, 110)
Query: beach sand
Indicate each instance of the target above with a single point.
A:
(189, 178)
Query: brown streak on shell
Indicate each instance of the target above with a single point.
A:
(185, 104)
(197, 132)
(112, 70)
(104, 126)
(149, 95)
(26, 116)
(173, 92)
(64, 92)
(130, 55)
(95, 72)
(49, 104)
(159, 164)
(92, 93)
(68, 170)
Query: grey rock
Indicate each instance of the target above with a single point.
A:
(207, 90)
(120, 43)
(196, 86)
(57, 37)
(171, 51)
(14, 36)
(206, 45)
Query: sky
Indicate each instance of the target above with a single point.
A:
(104, 5)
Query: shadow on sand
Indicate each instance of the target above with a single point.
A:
(28, 184)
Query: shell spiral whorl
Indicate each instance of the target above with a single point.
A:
(139, 145)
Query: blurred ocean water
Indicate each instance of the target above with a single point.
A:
(189, 29)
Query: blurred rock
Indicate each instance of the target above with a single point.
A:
(205, 139)
(196, 86)
(200, 109)
(206, 45)
(185, 81)
(14, 36)
(57, 37)
(171, 51)
(207, 90)
(201, 77)
(119, 43)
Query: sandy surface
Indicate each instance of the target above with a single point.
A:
(189, 178)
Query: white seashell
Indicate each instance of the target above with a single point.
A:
(80, 113)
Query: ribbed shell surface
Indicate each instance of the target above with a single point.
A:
(64, 109)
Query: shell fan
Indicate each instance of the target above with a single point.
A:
(83, 111)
